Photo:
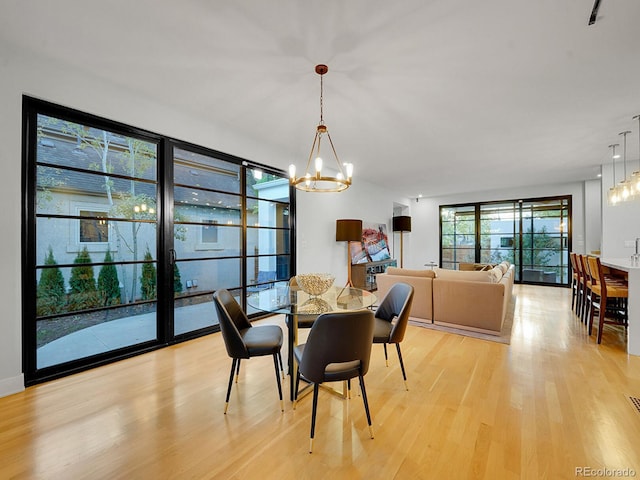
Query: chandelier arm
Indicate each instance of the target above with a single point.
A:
(335, 155)
(315, 140)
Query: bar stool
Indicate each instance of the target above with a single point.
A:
(601, 292)
(588, 283)
(574, 280)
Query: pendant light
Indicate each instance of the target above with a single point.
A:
(612, 195)
(624, 187)
(316, 181)
(635, 176)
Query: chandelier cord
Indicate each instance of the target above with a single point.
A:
(624, 151)
(321, 91)
(613, 161)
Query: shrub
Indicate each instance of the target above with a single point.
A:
(83, 284)
(148, 278)
(108, 283)
(51, 295)
(177, 281)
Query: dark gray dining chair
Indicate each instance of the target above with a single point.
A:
(338, 348)
(243, 340)
(391, 320)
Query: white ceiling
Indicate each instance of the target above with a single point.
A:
(424, 96)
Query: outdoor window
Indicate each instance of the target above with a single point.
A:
(94, 228)
(210, 231)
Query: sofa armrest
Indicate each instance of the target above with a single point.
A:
(477, 305)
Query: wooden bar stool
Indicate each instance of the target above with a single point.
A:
(601, 293)
(575, 280)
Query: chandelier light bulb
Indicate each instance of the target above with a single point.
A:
(318, 164)
(349, 167)
(292, 171)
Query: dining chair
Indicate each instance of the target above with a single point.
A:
(338, 348)
(581, 261)
(603, 290)
(242, 340)
(391, 320)
(574, 280)
(586, 286)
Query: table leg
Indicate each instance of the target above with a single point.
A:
(292, 341)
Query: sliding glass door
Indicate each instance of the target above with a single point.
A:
(533, 234)
(127, 234)
(96, 216)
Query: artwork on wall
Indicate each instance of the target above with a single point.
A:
(374, 245)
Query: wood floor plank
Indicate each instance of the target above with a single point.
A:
(548, 403)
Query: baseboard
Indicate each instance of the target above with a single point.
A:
(9, 386)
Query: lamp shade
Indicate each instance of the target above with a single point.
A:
(348, 230)
(402, 224)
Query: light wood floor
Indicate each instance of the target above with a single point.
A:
(549, 403)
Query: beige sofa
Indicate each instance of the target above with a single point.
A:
(472, 300)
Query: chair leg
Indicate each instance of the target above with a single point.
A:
(238, 370)
(366, 404)
(295, 394)
(275, 364)
(233, 367)
(603, 312)
(313, 415)
(404, 374)
(386, 358)
(281, 366)
(591, 312)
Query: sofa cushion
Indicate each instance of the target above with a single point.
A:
(410, 273)
(504, 266)
(495, 274)
(463, 275)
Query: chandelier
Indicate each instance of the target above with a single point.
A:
(316, 181)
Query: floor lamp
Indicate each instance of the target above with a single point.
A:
(348, 230)
(401, 224)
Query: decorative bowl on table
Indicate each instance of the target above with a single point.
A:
(315, 283)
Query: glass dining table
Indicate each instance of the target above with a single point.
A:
(295, 303)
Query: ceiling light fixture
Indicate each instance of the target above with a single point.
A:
(635, 176)
(612, 195)
(316, 181)
(624, 187)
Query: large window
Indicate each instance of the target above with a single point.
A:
(533, 234)
(128, 234)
